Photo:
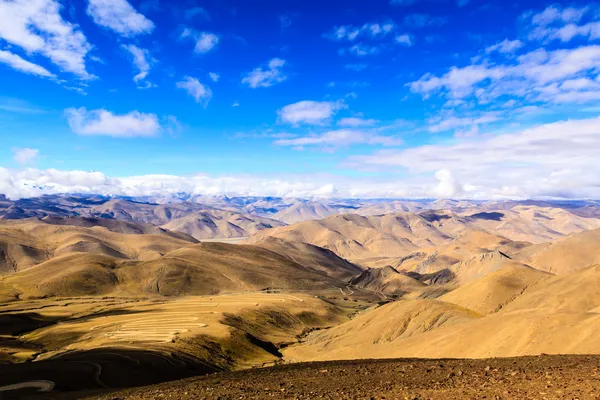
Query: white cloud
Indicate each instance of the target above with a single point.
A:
(235, 104)
(448, 186)
(453, 122)
(557, 23)
(142, 60)
(266, 77)
(214, 76)
(38, 28)
(534, 76)
(105, 123)
(351, 32)
(552, 160)
(201, 93)
(119, 16)
(309, 112)
(205, 41)
(405, 39)
(341, 138)
(24, 155)
(33, 182)
(362, 50)
(556, 160)
(506, 46)
(18, 63)
(354, 122)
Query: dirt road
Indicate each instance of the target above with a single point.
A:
(543, 377)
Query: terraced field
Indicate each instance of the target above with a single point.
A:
(152, 339)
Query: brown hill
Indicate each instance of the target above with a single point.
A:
(40, 259)
(197, 220)
(304, 211)
(383, 328)
(387, 280)
(315, 257)
(357, 237)
(568, 254)
(113, 225)
(495, 290)
(531, 223)
(575, 292)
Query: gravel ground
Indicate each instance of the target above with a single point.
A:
(543, 377)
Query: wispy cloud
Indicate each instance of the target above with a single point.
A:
(262, 77)
(351, 32)
(506, 46)
(214, 76)
(309, 112)
(423, 20)
(38, 28)
(205, 41)
(142, 60)
(25, 155)
(564, 24)
(120, 17)
(356, 122)
(195, 12)
(16, 62)
(340, 138)
(201, 93)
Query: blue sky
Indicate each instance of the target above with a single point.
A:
(400, 98)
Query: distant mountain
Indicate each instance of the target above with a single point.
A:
(304, 211)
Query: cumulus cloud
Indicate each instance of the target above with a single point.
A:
(214, 76)
(201, 93)
(37, 27)
(309, 112)
(448, 186)
(25, 155)
(20, 64)
(405, 39)
(33, 182)
(120, 17)
(555, 160)
(105, 123)
(142, 60)
(205, 41)
(266, 77)
(341, 138)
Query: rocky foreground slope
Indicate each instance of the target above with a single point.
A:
(545, 377)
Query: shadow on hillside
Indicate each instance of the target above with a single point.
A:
(104, 368)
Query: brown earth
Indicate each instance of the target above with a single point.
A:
(540, 377)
